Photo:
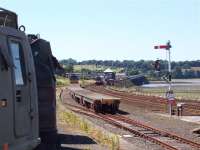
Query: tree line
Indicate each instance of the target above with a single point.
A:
(180, 69)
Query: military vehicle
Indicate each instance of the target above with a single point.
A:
(27, 88)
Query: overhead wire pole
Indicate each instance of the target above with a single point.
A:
(169, 93)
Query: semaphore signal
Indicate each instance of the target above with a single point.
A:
(167, 47)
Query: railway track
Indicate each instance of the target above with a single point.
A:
(152, 102)
(159, 137)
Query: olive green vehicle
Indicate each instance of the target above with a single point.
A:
(18, 92)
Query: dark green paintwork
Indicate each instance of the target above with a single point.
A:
(18, 103)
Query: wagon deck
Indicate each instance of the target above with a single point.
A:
(99, 102)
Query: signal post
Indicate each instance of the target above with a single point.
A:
(169, 93)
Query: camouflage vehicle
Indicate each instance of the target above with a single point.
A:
(27, 88)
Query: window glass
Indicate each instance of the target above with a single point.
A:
(15, 50)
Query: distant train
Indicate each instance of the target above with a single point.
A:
(99, 80)
(100, 103)
(110, 78)
(74, 79)
(105, 80)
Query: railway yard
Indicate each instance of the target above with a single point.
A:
(142, 121)
(100, 75)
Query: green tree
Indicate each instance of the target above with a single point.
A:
(69, 68)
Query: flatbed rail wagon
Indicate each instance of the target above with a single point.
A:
(100, 103)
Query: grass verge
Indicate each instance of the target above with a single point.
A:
(61, 81)
(180, 94)
(85, 83)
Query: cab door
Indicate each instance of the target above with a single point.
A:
(6, 87)
(22, 118)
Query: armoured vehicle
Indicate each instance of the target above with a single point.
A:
(27, 88)
(45, 66)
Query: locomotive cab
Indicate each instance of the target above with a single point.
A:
(99, 80)
(18, 91)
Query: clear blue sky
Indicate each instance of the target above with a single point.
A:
(113, 29)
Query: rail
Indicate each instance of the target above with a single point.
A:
(157, 134)
(189, 108)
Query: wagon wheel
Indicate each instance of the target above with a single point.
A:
(115, 108)
(97, 107)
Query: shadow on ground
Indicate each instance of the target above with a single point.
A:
(75, 139)
(67, 142)
(68, 148)
(121, 112)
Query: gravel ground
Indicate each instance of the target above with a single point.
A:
(177, 126)
(128, 143)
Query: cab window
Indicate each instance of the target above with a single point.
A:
(17, 56)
